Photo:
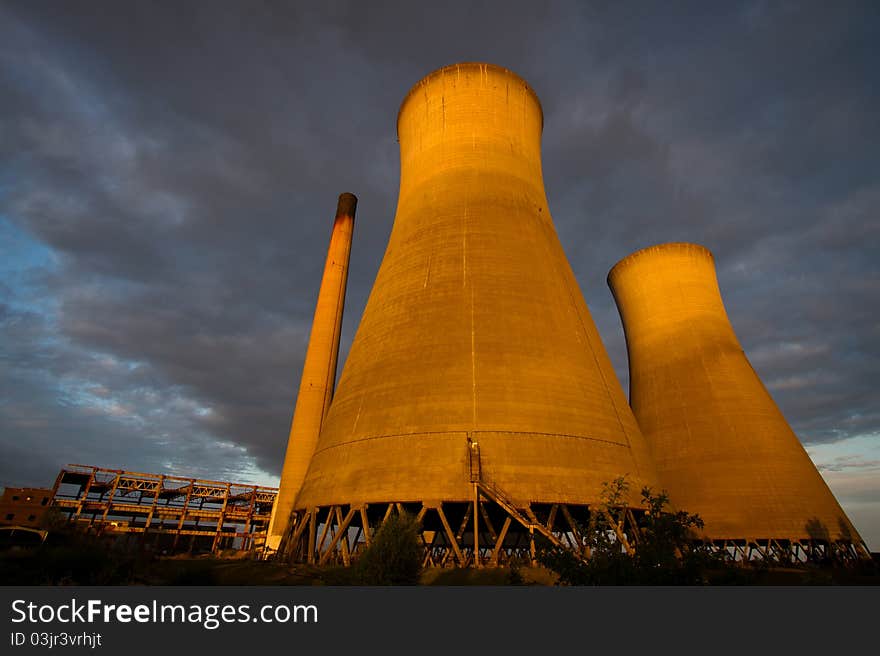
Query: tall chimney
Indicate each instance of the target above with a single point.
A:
(319, 368)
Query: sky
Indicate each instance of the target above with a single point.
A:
(169, 174)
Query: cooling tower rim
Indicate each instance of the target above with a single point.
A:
(657, 250)
(470, 65)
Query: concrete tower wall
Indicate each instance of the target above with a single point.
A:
(475, 326)
(722, 447)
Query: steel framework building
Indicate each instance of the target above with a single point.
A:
(165, 513)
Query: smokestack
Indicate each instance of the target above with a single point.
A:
(722, 447)
(319, 368)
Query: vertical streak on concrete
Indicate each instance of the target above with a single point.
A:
(319, 368)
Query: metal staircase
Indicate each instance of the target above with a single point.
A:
(489, 489)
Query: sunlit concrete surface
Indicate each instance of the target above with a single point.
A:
(475, 326)
(722, 447)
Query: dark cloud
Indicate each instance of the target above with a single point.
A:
(171, 171)
(850, 462)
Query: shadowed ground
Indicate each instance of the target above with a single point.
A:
(94, 565)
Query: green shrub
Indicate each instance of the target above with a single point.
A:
(395, 555)
(663, 553)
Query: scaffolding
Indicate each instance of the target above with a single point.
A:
(167, 514)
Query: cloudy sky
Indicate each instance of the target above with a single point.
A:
(169, 173)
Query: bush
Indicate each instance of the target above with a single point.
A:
(395, 555)
(664, 551)
(68, 558)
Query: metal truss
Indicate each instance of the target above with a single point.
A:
(490, 531)
(782, 552)
(492, 528)
(177, 513)
(493, 532)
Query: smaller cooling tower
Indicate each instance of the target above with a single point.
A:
(722, 447)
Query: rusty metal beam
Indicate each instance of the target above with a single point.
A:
(485, 514)
(532, 553)
(618, 531)
(552, 518)
(340, 531)
(450, 535)
(313, 529)
(365, 521)
(476, 527)
(573, 525)
(346, 555)
(388, 512)
(464, 523)
(499, 543)
(327, 522)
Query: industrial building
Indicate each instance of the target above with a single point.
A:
(478, 396)
(166, 514)
(24, 506)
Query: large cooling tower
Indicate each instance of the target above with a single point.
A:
(475, 337)
(721, 445)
